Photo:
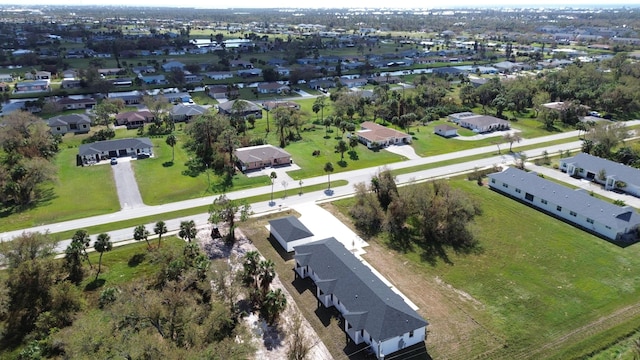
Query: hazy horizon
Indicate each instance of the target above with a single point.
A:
(337, 4)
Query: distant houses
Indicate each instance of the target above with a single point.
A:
(617, 223)
(373, 313)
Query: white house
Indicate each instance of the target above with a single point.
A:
(618, 223)
(373, 313)
(611, 174)
(445, 130)
(101, 150)
(479, 123)
(290, 232)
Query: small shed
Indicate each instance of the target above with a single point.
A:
(290, 232)
(446, 130)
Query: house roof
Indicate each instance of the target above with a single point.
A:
(67, 101)
(228, 106)
(371, 304)
(258, 153)
(99, 147)
(577, 200)
(621, 172)
(290, 228)
(272, 86)
(269, 105)
(134, 115)
(445, 127)
(187, 110)
(375, 132)
(483, 120)
(63, 120)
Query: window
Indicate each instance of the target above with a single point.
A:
(518, 190)
(493, 181)
(572, 213)
(559, 208)
(411, 333)
(543, 201)
(590, 221)
(505, 185)
(528, 196)
(608, 227)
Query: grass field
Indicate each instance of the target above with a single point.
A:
(537, 286)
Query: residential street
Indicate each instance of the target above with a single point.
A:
(353, 177)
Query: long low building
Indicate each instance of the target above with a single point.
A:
(102, 150)
(479, 123)
(373, 313)
(261, 156)
(374, 135)
(609, 173)
(617, 223)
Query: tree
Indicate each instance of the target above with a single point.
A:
(102, 245)
(299, 342)
(328, 168)
(250, 268)
(342, 147)
(81, 241)
(353, 142)
(103, 112)
(366, 211)
(320, 103)
(160, 228)
(384, 186)
(274, 304)
(171, 141)
(158, 106)
(224, 209)
(140, 232)
(266, 274)
(188, 230)
(273, 176)
(511, 138)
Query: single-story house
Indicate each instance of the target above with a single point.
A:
(373, 135)
(289, 232)
(270, 105)
(6, 78)
(611, 174)
(373, 313)
(479, 123)
(70, 84)
(273, 88)
(109, 71)
(38, 75)
(184, 112)
(32, 86)
(261, 156)
(351, 83)
(102, 150)
(384, 80)
(122, 82)
(134, 119)
(230, 108)
(173, 65)
(245, 64)
(70, 74)
(246, 73)
(574, 206)
(74, 123)
(73, 104)
(446, 130)
(129, 97)
(223, 91)
(219, 75)
(152, 79)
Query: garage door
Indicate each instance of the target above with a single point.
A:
(123, 152)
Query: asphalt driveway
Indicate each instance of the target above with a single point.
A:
(128, 192)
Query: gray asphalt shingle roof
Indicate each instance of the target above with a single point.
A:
(290, 228)
(259, 153)
(577, 200)
(114, 145)
(371, 304)
(622, 172)
(69, 119)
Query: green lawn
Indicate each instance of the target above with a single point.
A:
(537, 278)
(79, 192)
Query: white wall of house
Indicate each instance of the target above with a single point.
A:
(549, 205)
(386, 347)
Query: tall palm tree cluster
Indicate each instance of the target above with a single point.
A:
(257, 276)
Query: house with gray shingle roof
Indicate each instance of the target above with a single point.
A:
(73, 123)
(373, 313)
(290, 232)
(240, 107)
(261, 156)
(101, 150)
(606, 172)
(618, 223)
(184, 112)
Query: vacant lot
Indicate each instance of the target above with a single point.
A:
(537, 287)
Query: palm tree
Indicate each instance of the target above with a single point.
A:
(274, 303)
(188, 230)
(328, 168)
(82, 240)
(159, 229)
(141, 232)
(341, 148)
(266, 274)
(250, 267)
(353, 142)
(273, 176)
(102, 245)
(171, 141)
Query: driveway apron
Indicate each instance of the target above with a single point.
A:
(128, 192)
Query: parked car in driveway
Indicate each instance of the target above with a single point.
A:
(114, 161)
(143, 156)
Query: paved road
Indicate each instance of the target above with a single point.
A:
(355, 176)
(128, 192)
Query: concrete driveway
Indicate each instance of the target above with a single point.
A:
(128, 192)
(405, 150)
